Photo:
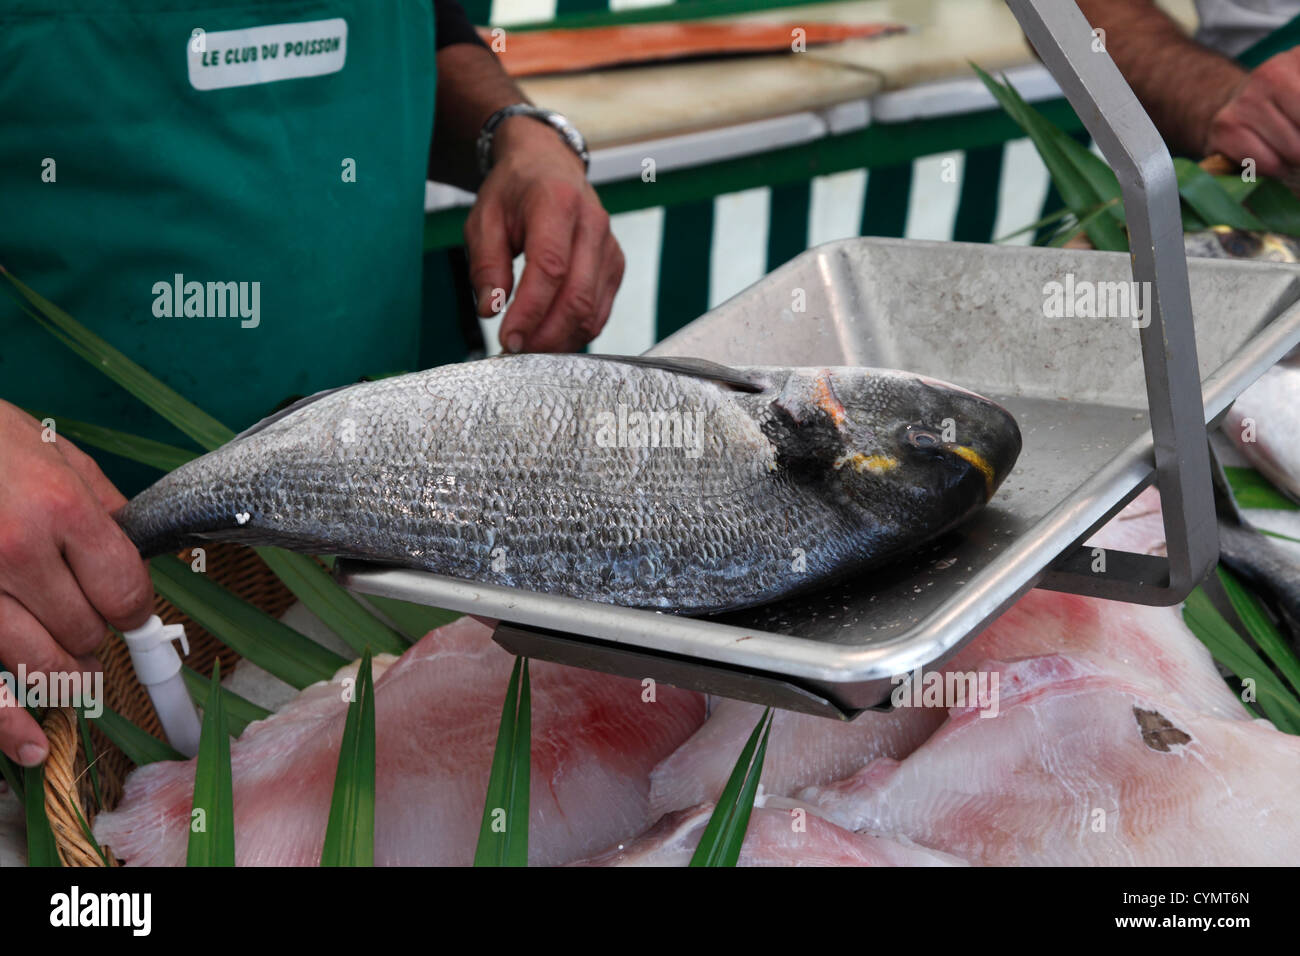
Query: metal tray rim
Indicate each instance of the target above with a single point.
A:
(990, 591)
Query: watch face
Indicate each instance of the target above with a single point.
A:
(556, 121)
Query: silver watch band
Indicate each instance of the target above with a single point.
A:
(568, 132)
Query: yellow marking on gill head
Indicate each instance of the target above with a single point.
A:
(976, 459)
(876, 464)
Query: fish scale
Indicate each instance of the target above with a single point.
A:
(527, 471)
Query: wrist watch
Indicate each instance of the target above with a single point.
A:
(568, 132)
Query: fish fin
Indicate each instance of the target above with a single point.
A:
(255, 537)
(697, 367)
(286, 411)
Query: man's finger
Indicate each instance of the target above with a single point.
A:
(611, 277)
(21, 738)
(51, 594)
(28, 643)
(487, 242)
(1280, 81)
(1268, 119)
(110, 572)
(549, 228)
(1246, 144)
(109, 497)
(612, 282)
(574, 308)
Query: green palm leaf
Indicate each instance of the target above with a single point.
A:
(350, 833)
(1232, 651)
(1084, 181)
(139, 746)
(155, 454)
(1210, 200)
(240, 712)
(1253, 490)
(346, 616)
(724, 835)
(186, 416)
(41, 849)
(253, 634)
(414, 620)
(212, 817)
(1261, 627)
(503, 835)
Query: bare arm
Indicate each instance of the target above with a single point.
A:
(535, 200)
(1181, 83)
(471, 87)
(1201, 101)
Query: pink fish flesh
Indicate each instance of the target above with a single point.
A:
(1083, 766)
(774, 838)
(438, 710)
(802, 750)
(1150, 645)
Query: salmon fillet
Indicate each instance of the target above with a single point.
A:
(532, 53)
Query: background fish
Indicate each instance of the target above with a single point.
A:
(1264, 424)
(665, 483)
(1224, 242)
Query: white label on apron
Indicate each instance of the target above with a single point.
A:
(282, 51)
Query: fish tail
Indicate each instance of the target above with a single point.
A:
(147, 519)
(149, 541)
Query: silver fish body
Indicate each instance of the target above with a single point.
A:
(605, 479)
(1264, 424)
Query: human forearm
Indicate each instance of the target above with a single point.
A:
(471, 87)
(1181, 83)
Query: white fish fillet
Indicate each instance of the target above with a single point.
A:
(773, 839)
(438, 709)
(1065, 775)
(1264, 424)
(802, 750)
(1150, 645)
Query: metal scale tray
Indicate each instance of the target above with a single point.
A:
(1104, 408)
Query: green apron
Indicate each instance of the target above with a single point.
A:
(1279, 41)
(239, 210)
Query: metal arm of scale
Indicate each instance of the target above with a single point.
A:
(1129, 141)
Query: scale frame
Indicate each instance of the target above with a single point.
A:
(1098, 429)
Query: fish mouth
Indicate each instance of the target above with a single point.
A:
(980, 464)
(992, 451)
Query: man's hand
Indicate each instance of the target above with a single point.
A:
(1261, 119)
(536, 200)
(66, 568)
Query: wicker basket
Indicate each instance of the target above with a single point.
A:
(67, 785)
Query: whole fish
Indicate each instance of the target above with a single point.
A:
(1274, 573)
(674, 484)
(1264, 423)
(1244, 549)
(1225, 242)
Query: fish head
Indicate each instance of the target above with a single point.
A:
(939, 449)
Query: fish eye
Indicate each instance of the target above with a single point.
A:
(921, 438)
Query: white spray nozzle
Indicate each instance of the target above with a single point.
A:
(151, 649)
(158, 667)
